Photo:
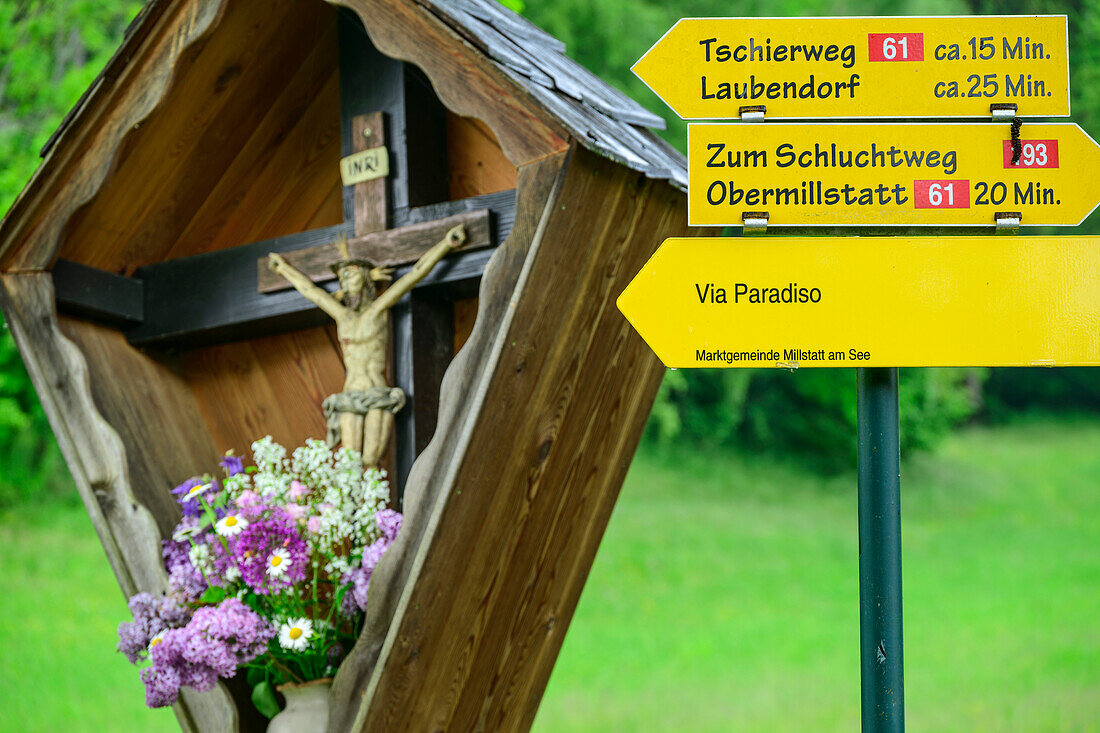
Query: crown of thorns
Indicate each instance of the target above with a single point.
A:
(346, 260)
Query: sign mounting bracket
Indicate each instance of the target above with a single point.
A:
(752, 113)
(1008, 222)
(755, 222)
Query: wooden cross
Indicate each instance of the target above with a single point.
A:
(391, 221)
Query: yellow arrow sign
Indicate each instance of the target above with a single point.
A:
(868, 301)
(708, 68)
(864, 174)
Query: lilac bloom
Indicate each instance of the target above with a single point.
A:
(215, 642)
(389, 522)
(183, 577)
(152, 615)
(359, 578)
(162, 686)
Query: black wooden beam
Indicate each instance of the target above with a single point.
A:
(502, 205)
(212, 298)
(423, 334)
(423, 345)
(416, 141)
(97, 294)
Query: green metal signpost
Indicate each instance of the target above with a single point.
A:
(880, 641)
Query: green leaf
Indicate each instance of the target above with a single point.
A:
(256, 675)
(214, 594)
(263, 697)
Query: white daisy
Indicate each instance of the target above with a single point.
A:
(295, 634)
(155, 640)
(278, 563)
(230, 525)
(196, 490)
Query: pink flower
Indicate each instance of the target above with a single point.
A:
(251, 504)
(295, 511)
(314, 525)
(298, 490)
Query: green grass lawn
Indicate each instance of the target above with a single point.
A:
(725, 594)
(724, 598)
(59, 609)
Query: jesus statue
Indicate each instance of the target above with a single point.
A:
(361, 417)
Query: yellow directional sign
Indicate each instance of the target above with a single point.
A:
(849, 174)
(708, 68)
(870, 301)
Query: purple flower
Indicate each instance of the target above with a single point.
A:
(255, 547)
(183, 577)
(373, 554)
(152, 615)
(162, 686)
(215, 642)
(188, 496)
(389, 522)
(355, 599)
(232, 464)
(226, 636)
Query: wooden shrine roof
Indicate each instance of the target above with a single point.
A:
(600, 117)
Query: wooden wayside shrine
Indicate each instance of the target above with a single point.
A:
(134, 280)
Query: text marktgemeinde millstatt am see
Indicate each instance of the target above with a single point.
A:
(860, 67)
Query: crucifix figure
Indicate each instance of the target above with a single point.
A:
(361, 417)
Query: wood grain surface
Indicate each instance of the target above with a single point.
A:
(475, 161)
(266, 386)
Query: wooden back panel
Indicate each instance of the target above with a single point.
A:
(476, 162)
(245, 145)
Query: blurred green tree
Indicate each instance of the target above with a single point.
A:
(50, 51)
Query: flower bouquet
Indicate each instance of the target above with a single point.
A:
(268, 571)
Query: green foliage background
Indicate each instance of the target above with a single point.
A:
(51, 51)
(49, 54)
